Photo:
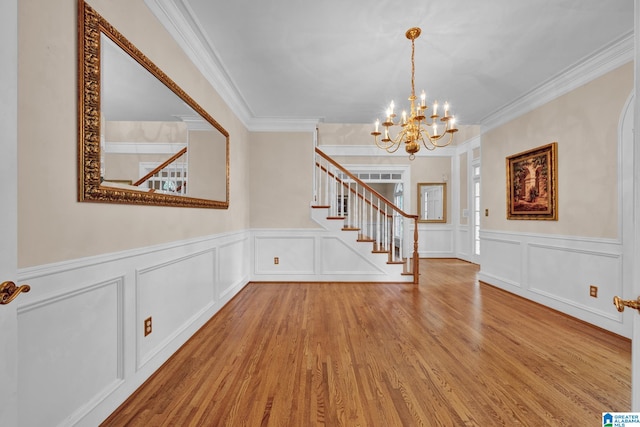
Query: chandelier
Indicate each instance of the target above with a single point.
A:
(414, 128)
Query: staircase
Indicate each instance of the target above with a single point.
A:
(345, 204)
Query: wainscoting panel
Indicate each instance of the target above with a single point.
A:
(338, 258)
(463, 245)
(233, 266)
(502, 260)
(550, 277)
(319, 255)
(173, 294)
(81, 345)
(286, 254)
(78, 355)
(558, 271)
(435, 241)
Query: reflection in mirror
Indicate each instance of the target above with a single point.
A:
(432, 202)
(142, 139)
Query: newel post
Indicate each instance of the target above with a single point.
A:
(416, 260)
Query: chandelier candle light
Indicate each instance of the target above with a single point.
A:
(415, 128)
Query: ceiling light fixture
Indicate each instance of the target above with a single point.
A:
(415, 129)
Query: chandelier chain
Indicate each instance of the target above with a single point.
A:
(413, 67)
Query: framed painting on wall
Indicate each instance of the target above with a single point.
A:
(532, 189)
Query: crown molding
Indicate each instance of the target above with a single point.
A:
(589, 68)
(178, 20)
(175, 16)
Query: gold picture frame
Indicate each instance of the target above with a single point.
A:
(532, 186)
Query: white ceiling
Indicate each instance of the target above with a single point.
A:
(343, 61)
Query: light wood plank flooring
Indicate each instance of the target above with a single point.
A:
(447, 352)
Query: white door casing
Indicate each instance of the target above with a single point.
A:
(8, 207)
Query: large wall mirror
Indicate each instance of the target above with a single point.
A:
(142, 139)
(432, 202)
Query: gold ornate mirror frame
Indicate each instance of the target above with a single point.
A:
(90, 27)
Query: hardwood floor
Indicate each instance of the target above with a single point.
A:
(447, 352)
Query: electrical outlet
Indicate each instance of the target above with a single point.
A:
(486, 212)
(276, 260)
(147, 326)
(593, 291)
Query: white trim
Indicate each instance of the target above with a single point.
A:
(471, 193)
(539, 236)
(180, 21)
(37, 272)
(468, 145)
(175, 17)
(595, 65)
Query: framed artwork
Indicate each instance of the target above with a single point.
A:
(532, 188)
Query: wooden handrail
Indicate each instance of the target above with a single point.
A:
(160, 167)
(364, 184)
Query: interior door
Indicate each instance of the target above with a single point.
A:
(8, 207)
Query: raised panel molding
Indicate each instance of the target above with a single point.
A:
(79, 355)
(284, 253)
(232, 264)
(82, 321)
(557, 271)
(174, 293)
(463, 250)
(319, 255)
(436, 241)
(339, 258)
(501, 259)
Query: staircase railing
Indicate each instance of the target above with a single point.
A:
(176, 179)
(364, 209)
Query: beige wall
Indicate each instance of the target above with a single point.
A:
(344, 134)
(584, 122)
(52, 225)
(281, 180)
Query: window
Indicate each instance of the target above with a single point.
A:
(476, 209)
